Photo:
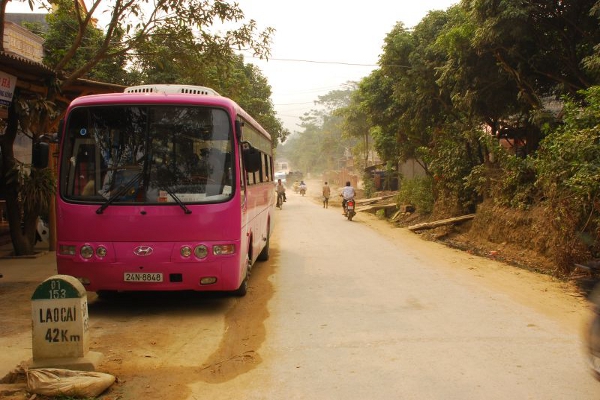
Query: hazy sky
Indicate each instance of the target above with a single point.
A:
(331, 36)
(320, 44)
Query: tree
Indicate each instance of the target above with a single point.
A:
(539, 43)
(319, 147)
(567, 173)
(168, 60)
(85, 53)
(356, 123)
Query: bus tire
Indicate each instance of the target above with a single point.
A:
(243, 289)
(107, 294)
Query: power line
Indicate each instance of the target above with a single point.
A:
(330, 62)
(311, 61)
(294, 104)
(322, 62)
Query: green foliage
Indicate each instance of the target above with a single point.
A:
(368, 184)
(480, 66)
(540, 44)
(385, 144)
(450, 161)
(509, 180)
(36, 190)
(417, 192)
(569, 161)
(516, 186)
(64, 30)
(568, 168)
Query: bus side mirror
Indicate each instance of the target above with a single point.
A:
(251, 157)
(40, 154)
(61, 126)
(238, 129)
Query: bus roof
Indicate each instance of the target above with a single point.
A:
(174, 96)
(171, 89)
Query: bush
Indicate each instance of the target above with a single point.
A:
(368, 184)
(417, 192)
(568, 167)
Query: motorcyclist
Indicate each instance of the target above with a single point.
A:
(348, 193)
(280, 189)
(302, 187)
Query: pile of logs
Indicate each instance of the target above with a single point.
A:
(375, 204)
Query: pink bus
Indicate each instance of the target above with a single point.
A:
(162, 188)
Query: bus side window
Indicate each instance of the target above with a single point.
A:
(265, 168)
(242, 180)
(251, 178)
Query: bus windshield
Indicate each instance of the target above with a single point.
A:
(131, 154)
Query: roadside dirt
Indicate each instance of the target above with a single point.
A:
(143, 353)
(238, 349)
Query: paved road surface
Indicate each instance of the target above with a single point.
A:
(356, 315)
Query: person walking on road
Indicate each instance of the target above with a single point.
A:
(326, 194)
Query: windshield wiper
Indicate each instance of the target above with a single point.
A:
(121, 191)
(177, 199)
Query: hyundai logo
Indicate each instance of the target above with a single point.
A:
(142, 251)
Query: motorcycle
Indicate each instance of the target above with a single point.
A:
(302, 190)
(349, 209)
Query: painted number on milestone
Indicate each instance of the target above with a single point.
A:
(56, 291)
(61, 335)
(142, 277)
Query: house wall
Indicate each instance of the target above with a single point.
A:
(20, 41)
(411, 169)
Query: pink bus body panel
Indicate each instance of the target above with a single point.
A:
(244, 222)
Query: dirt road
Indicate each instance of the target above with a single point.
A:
(347, 310)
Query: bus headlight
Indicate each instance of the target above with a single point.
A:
(200, 251)
(86, 251)
(223, 249)
(186, 251)
(66, 249)
(101, 251)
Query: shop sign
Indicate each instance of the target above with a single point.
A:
(7, 87)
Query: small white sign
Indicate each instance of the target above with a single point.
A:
(7, 88)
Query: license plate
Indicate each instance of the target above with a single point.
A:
(143, 277)
(350, 206)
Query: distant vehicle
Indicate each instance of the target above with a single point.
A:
(281, 175)
(294, 176)
(163, 188)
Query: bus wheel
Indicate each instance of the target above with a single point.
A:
(243, 289)
(107, 294)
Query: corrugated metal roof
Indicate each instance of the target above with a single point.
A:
(17, 62)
